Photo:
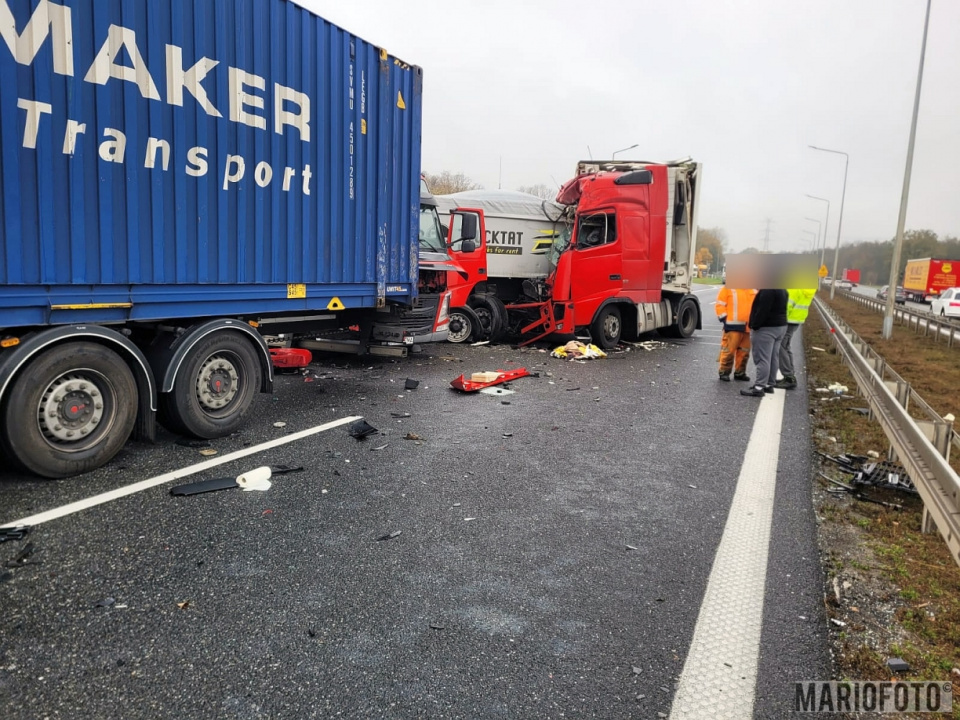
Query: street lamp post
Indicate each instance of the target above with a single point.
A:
(816, 237)
(887, 331)
(817, 246)
(614, 156)
(843, 197)
(826, 227)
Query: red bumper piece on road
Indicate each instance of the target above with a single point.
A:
(462, 383)
(290, 357)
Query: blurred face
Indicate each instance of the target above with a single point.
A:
(771, 271)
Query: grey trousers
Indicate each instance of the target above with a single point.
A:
(786, 352)
(766, 350)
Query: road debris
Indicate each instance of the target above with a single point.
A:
(360, 429)
(503, 376)
(21, 558)
(284, 469)
(192, 442)
(872, 473)
(399, 414)
(183, 605)
(205, 486)
(437, 626)
(380, 447)
(13, 533)
(576, 350)
(898, 666)
(412, 436)
(279, 424)
(390, 536)
(208, 452)
(411, 384)
(106, 602)
(256, 479)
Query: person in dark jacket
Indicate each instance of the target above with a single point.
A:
(768, 325)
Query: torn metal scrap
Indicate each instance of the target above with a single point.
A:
(873, 473)
(390, 536)
(205, 486)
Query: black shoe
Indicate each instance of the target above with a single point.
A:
(788, 383)
(742, 377)
(725, 377)
(755, 391)
(768, 389)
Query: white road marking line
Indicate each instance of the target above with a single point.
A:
(720, 673)
(714, 287)
(75, 507)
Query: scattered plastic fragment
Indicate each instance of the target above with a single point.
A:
(436, 626)
(577, 350)
(897, 665)
(469, 519)
(106, 602)
(192, 442)
(399, 414)
(478, 344)
(205, 486)
(208, 452)
(874, 454)
(21, 558)
(284, 469)
(13, 533)
(508, 435)
(692, 486)
(838, 623)
(390, 536)
(636, 670)
(838, 389)
(461, 383)
(411, 384)
(359, 429)
(183, 605)
(632, 547)
(379, 447)
(497, 391)
(412, 436)
(279, 424)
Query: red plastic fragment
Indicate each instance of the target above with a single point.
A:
(290, 357)
(462, 383)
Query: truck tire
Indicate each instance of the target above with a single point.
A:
(607, 327)
(464, 323)
(214, 387)
(688, 315)
(488, 315)
(502, 313)
(70, 410)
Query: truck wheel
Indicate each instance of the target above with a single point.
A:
(502, 314)
(70, 410)
(463, 324)
(687, 317)
(607, 327)
(214, 388)
(488, 316)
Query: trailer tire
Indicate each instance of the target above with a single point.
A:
(464, 324)
(607, 327)
(688, 316)
(214, 388)
(70, 410)
(488, 315)
(502, 313)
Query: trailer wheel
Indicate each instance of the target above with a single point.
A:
(490, 327)
(214, 388)
(70, 410)
(687, 317)
(607, 327)
(463, 324)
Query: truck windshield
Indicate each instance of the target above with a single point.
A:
(431, 237)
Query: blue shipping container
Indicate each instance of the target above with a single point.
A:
(209, 157)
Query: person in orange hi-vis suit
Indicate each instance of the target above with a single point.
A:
(733, 310)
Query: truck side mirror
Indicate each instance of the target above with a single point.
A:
(468, 227)
(468, 246)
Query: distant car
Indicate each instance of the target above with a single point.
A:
(900, 299)
(947, 304)
(845, 285)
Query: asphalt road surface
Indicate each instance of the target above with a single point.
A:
(554, 555)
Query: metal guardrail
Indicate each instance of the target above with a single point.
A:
(916, 320)
(922, 446)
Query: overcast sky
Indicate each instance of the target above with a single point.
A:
(743, 87)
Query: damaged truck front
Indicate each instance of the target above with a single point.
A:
(626, 267)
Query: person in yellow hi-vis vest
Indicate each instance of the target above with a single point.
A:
(733, 310)
(798, 305)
